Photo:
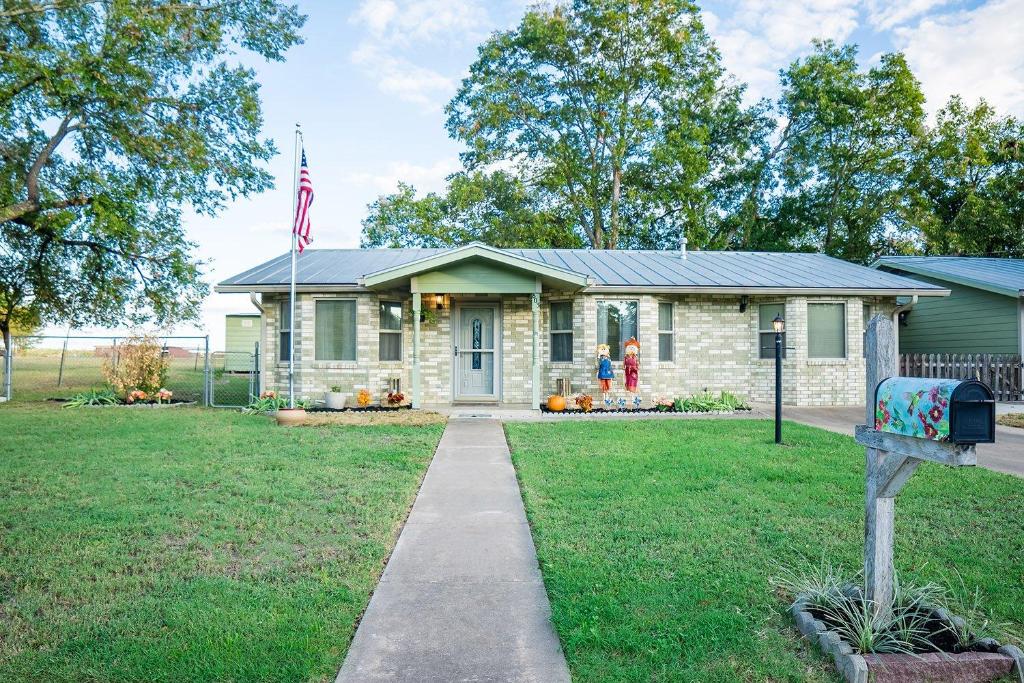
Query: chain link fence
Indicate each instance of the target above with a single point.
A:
(51, 367)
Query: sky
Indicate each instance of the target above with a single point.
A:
(370, 82)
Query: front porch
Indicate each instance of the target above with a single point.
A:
(484, 307)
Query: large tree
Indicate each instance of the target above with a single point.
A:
(611, 109)
(843, 156)
(969, 182)
(114, 116)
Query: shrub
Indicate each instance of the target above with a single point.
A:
(585, 402)
(138, 365)
(364, 397)
(93, 397)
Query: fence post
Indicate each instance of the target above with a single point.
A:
(60, 370)
(8, 366)
(206, 372)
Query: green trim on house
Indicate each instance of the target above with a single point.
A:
(500, 262)
(970, 320)
(477, 277)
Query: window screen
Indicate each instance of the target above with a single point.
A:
(826, 331)
(561, 331)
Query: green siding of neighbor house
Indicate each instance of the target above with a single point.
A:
(969, 320)
(239, 341)
(476, 277)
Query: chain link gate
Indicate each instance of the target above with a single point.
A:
(234, 378)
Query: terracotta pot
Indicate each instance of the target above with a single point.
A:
(289, 417)
(556, 403)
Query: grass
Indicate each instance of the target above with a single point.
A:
(37, 377)
(657, 540)
(1011, 420)
(188, 544)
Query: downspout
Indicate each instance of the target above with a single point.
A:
(896, 320)
(257, 301)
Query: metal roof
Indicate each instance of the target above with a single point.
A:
(1000, 275)
(608, 269)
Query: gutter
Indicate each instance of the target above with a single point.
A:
(257, 302)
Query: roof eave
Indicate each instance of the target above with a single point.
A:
(245, 289)
(815, 291)
(938, 275)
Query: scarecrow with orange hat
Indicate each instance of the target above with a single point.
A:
(605, 374)
(631, 369)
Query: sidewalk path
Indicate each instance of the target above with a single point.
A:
(461, 598)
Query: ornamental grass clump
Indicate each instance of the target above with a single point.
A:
(138, 365)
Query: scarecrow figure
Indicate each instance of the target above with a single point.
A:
(605, 373)
(631, 368)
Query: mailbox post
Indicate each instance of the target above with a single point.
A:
(892, 455)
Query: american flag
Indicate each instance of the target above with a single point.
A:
(305, 200)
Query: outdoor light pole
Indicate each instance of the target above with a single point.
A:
(779, 325)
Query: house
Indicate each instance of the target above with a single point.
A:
(984, 312)
(241, 333)
(477, 324)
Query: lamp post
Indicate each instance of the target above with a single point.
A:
(779, 325)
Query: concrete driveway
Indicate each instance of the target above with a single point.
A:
(1005, 455)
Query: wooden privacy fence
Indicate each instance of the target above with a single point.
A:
(1002, 372)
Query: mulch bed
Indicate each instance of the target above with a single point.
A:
(367, 409)
(640, 411)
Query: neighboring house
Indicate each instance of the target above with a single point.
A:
(984, 312)
(241, 333)
(478, 324)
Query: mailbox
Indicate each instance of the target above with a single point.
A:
(957, 411)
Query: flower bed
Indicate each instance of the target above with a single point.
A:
(358, 409)
(652, 410)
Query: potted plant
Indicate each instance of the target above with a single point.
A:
(334, 399)
(394, 399)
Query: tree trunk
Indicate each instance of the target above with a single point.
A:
(616, 193)
(5, 388)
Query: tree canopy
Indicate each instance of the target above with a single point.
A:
(114, 116)
(617, 126)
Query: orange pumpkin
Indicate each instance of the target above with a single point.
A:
(556, 403)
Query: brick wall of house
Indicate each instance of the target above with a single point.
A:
(715, 347)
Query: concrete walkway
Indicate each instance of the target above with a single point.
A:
(1005, 455)
(461, 598)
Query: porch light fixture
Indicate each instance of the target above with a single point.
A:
(439, 302)
(779, 325)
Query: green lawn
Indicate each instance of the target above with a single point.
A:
(657, 540)
(188, 544)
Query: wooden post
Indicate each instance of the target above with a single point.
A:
(880, 354)
(416, 308)
(535, 310)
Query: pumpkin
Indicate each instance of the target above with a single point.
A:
(556, 403)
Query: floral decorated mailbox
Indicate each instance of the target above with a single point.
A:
(958, 411)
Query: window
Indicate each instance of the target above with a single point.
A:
(561, 331)
(665, 336)
(335, 330)
(285, 334)
(826, 331)
(390, 330)
(765, 332)
(616, 323)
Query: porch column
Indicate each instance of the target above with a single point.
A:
(416, 306)
(535, 306)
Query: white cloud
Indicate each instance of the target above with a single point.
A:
(395, 34)
(976, 53)
(425, 178)
(759, 37)
(885, 15)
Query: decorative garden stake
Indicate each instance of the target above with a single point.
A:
(605, 373)
(907, 422)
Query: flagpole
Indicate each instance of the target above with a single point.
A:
(291, 304)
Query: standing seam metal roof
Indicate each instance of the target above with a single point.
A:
(1002, 274)
(616, 268)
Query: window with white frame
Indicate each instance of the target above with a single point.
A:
(284, 338)
(766, 332)
(616, 323)
(334, 329)
(826, 330)
(561, 331)
(390, 346)
(666, 332)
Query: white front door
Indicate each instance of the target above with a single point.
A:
(476, 352)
